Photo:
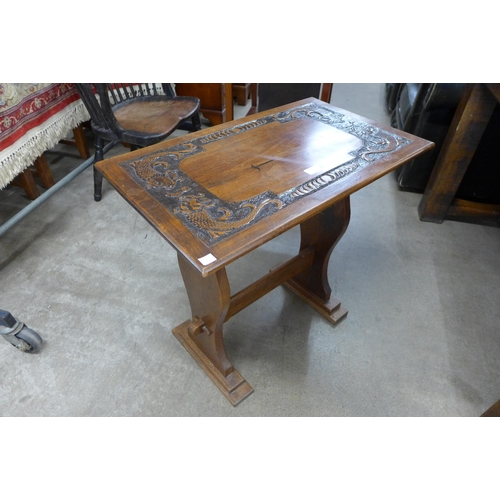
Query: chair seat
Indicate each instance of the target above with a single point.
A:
(158, 117)
(136, 114)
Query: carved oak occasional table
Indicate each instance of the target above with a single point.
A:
(219, 193)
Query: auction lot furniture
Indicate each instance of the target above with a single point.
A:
(220, 193)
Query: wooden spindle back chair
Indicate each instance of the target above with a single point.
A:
(137, 114)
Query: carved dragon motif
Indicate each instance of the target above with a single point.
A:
(157, 174)
(226, 223)
(378, 143)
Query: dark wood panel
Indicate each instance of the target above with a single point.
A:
(471, 118)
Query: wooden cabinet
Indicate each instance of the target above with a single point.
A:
(216, 99)
(241, 92)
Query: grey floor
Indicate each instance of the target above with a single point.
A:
(103, 290)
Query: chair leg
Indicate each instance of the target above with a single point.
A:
(43, 171)
(97, 175)
(26, 180)
(196, 122)
(81, 142)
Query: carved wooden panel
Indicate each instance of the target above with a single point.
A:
(208, 199)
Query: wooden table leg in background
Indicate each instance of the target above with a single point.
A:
(79, 141)
(43, 171)
(229, 102)
(469, 122)
(26, 181)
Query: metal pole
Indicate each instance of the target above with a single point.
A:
(56, 187)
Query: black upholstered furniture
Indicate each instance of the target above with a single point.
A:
(271, 95)
(137, 114)
(427, 110)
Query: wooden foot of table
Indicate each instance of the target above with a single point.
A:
(201, 336)
(212, 304)
(322, 233)
(331, 310)
(234, 387)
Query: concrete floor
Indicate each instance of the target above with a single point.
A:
(104, 291)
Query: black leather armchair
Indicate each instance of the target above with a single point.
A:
(426, 110)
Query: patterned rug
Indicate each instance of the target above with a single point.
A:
(34, 117)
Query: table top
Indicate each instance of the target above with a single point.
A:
(219, 193)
